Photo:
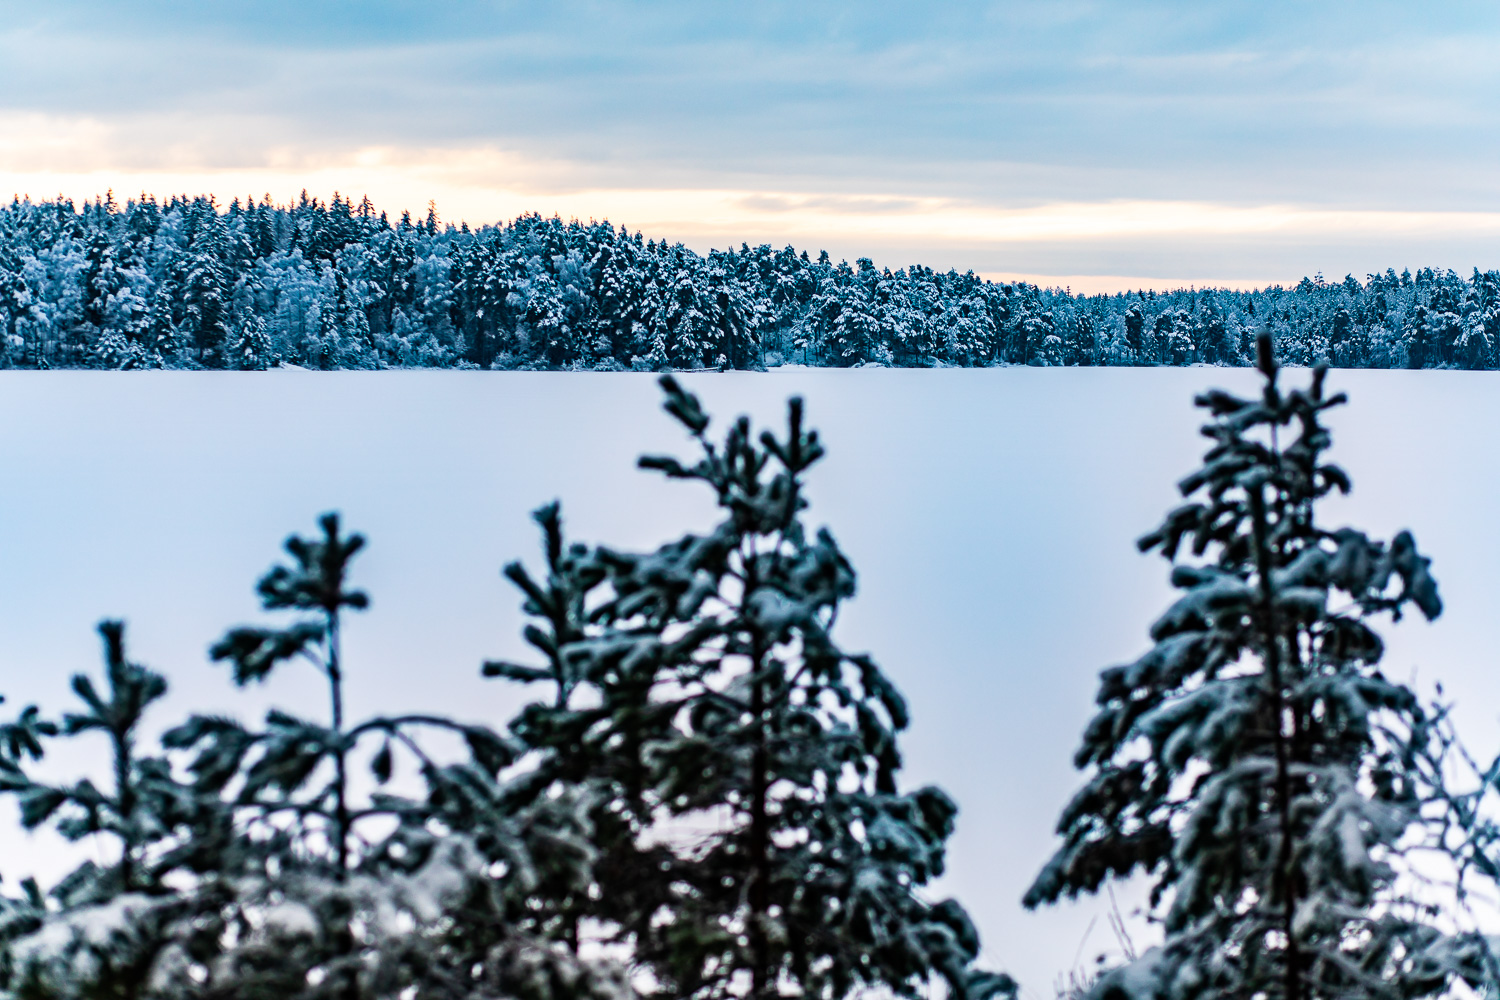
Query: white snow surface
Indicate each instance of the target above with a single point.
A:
(991, 516)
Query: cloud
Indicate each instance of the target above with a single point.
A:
(1133, 243)
(1164, 89)
(1042, 122)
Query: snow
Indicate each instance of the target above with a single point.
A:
(72, 943)
(988, 513)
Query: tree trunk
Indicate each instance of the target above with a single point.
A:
(350, 986)
(1272, 639)
(759, 842)
(125, 801)
(341, 802)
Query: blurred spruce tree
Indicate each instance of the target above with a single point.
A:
(1256, 764)
(248, 867)
(752, 837)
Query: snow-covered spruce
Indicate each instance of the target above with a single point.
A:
(244, 867)
(435, 929)
(752, 837)
(1256, 763)
(711, 786)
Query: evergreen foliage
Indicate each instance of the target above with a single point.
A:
(753, 838)
(247, 867)
(1256, 764)
(185, 284)
(706, 806)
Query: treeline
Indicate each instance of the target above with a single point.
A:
(186, 284)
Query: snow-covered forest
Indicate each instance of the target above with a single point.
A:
(187, 283)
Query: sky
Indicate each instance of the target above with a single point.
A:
(990, 514)
(1097, 145)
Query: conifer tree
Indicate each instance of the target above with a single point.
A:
(250, 346)
(445, 903)
(206, 286)
(104, 920)
(315, 585)
(1256, 764)
(246, 869)
(751, 832)
(81, 809)
(163, 341)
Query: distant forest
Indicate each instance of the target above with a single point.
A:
(186, 283)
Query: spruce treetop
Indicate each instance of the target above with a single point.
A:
(1255, 763)
(249, 864)
(753, 838)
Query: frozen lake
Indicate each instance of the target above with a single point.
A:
(991, 515)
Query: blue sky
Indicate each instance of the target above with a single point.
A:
(1228, 141)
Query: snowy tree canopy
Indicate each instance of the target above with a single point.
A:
(245, 865)
(1255, 763)
(187, 284)
(705, 804)
(734, 751)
